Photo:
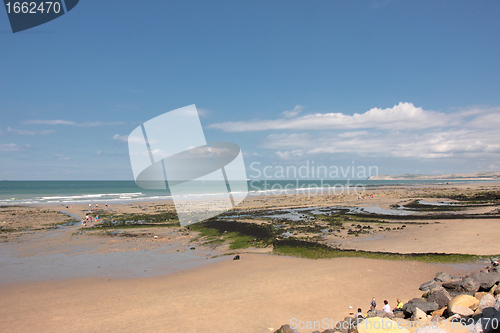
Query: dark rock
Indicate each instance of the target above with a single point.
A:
(491, 325)
(453, 285)
(442, 277)
(286, 329)
(489, 312)
(441, 297)
(486, 280)
(410, 307)
(375, 313)
(428, 285)
(470, 285)
(236, 257)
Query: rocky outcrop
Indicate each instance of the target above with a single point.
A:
(410, 308)
(442, 277)
(441, 297)
(448, 304)
(428, 285)
(469, 285)
(486, 280)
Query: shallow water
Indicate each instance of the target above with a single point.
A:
(18, 262)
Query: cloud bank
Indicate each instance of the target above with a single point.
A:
(401, 131)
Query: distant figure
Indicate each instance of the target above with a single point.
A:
(399, 306)
(373, 304)
(90, 205)
(96, 205)
(359, 314)
(387, 307)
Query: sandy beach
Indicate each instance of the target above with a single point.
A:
(57, 278)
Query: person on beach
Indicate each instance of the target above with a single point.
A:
(387, 307)
(399, 306)
(373, 304)
(360, 314)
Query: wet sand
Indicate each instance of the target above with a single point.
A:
(259, 293)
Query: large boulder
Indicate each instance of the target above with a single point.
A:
(470, 285)
(410, 307)
(441, 297)
(497, 291)
(486, 280)
(488, 301)
(461, 310)
(465, 300)
(453, 285)
(442, 277)
(428, 285)
(418, 315)
(380, 325)
(489, 312)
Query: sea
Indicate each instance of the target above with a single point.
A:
(72, 192)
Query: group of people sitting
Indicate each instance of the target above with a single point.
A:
(385, 308)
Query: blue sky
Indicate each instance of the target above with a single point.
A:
(408, 86)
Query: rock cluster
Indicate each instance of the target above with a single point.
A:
(468, 304)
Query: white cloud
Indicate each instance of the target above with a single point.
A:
(50, 122)
(27, 132)
(401, 116)
(71, 123)
(9, 147)
(353, 134)
(403, 131)
(123, 138)
(289, 154)
(59, 156)
(296, 110)
(463, 143)
(99, 152)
